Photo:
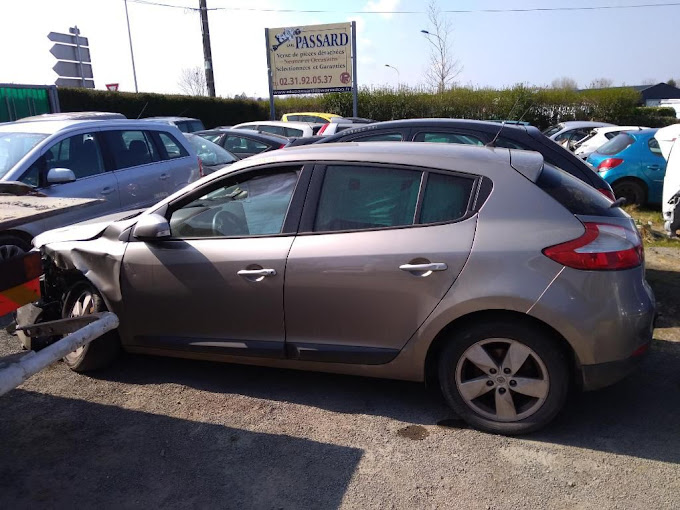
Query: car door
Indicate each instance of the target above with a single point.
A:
(138, 167)
(379, 246)
(654, 168)
(216, 286)
(82, 154)
(180, 167)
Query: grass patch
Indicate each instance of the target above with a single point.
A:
(650, 223)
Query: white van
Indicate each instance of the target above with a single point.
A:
(671, 189)
(666, 136)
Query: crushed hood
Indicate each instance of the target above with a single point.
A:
(85, 230)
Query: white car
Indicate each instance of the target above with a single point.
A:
(280, 127)
(666, 137)
(572, 131)
(598, 137)
(671, 188)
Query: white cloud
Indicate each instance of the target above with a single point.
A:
(387, 7)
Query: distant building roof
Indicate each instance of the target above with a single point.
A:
(658, 91)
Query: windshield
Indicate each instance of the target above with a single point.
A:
(552, 130)
(14, 146)
(210, 154)
(616, 144)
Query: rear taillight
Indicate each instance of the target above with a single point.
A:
(323, 128)
(607, 193)
(608, 164)
(282, 146)
(603, 247)
(201, 173)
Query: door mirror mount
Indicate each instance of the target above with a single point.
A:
(60, 176)
(151, 227)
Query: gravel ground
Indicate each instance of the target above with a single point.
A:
(154, 432)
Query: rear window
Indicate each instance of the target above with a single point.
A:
(575, 195)
(173, 149)
(617, 144)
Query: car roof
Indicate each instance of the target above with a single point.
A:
(245, 132)
(479, 125)
(171, 119)
(49, 127)
(438, 155)
(571, 124)
(313, 113)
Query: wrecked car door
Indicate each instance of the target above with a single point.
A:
(215, 286)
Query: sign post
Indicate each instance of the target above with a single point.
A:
(312, 59)
(73, 65)
(355, 91)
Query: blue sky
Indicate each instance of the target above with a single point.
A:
(496, 49)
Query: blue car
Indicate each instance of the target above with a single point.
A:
(634, 166)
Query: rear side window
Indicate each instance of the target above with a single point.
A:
(446, 198)
(575, 195)
(277, 130)
(653, 145)
(617, 144)
(243, 145)
(131, 148)
(173, 149)
(290, 132)
(196, 125)
(448, 138)
(293, 118)
(357, 197)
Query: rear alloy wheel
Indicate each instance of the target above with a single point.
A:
(632, 191)
(504, 378)
(83, 299)
(12, 246)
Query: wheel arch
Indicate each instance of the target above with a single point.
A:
(24, 236)
(445, 334)
(635, 179)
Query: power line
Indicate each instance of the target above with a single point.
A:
(450, 11)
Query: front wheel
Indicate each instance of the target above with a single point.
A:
(504, 377)
(83, 299)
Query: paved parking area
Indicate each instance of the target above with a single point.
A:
(153, 432)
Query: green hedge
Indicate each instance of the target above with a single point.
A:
(540, 107)
(212, 111)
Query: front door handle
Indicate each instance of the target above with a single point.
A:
(108, 190)
(164, 176)
(432, 266)
(257, 272)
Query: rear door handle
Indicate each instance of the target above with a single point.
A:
(257, 272)
(164, 176)
(108, 190)
(433, 266)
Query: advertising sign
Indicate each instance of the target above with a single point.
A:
(310, 59)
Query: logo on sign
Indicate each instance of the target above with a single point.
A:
(284, 36)
(345, 78)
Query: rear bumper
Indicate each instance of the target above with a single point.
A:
(601, 375)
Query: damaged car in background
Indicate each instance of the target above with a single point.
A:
(501, 279)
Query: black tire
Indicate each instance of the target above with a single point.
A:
(11, 246)
(634, 192)
(99, 353)
(543, 345)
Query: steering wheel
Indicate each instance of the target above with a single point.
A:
(226, 223)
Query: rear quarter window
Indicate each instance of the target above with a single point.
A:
(575, 195)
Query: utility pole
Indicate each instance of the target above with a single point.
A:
(132, 54)
(207, 53)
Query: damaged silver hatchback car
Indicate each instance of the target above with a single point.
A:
(501, 278)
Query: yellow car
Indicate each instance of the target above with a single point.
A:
(322, 118)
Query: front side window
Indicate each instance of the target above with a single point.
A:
(358, 197)
(446, 198)
(380, 137)
(448, 138)
(80, 153)
(242, 207)
(131, 148)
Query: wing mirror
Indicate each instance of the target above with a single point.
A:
(151, 227)
(60, 176)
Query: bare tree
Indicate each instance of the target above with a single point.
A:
(564, 82)
(192, 82)
(444, 67)
(649, 81)
(601, 83)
